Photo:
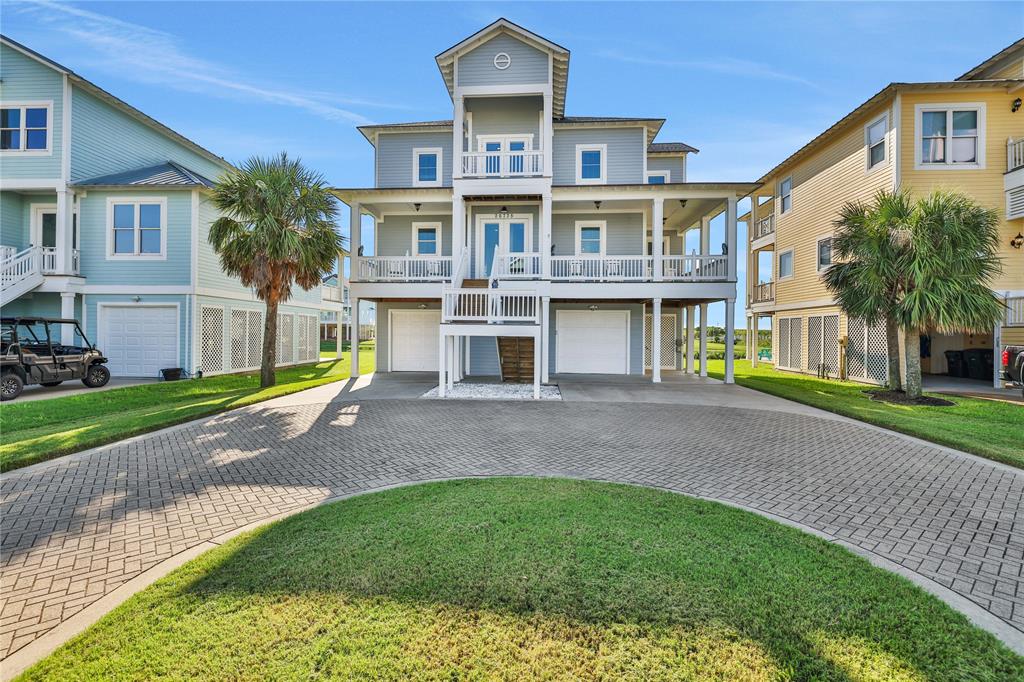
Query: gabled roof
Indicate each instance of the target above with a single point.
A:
(671, 148)
(168, 174)
(1004, 54)
(560, 57)
(116, 102)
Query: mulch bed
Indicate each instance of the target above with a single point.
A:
(900, 398)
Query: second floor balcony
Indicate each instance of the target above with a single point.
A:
(764, 227)
(402, 269)
(763, 293)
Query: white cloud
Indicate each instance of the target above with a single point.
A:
(725, 65)
(156, 57)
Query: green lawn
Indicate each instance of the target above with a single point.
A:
(512, 579)
(984, 427)
(44, 429)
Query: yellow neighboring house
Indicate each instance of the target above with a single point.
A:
(966, 134)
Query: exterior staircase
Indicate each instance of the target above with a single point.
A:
(20, 273)
(515, 357)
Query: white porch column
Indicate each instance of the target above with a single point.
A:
(997, 350)
(548, 135)
(753, 344)
(354, 338)
(537, 355)
(730, 235)
(703, 339)
(65, 216)
(458, 231)
(338, 335)
(656, 337)
(705, 236)
(442, 356)
(689, 339)
(545, 338)
(545, 236)
(355, 222)
(67, 312)
(458, 136)
(657, 236)
(730, 333)
(450, 361)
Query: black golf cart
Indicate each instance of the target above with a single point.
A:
(31, 353)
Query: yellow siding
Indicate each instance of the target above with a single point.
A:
(1012, 336)
(985, 185)
(822, 183)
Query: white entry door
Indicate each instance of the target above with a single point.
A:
(139, 341)
(592, 342)
(415, 340)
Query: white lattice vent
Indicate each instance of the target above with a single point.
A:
(866, 352)
(211, 358)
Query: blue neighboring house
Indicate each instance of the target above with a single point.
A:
(104, 216)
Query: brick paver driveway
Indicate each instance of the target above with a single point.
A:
(75, 529)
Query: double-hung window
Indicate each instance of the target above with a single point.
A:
(426, 239)
(137, 228)
(25, 128)
(786, 195)
(950, 136)
(874, 137)
(590, 238)
(591, 164)
(824, 253)
(426, 167)
(786, 264)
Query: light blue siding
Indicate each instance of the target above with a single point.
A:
(626, 150)
(210, 275)
(106, 140)
(529, 65)
(394, 156)
(383, 344)
(674, 164)
(394, 234)
(92, 312)
(636, 331)
(483, 356)
(624, 232)
(24, 79)
(505, 116)
(93, 222)
(16, 216)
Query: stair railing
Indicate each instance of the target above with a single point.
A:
(19, 267)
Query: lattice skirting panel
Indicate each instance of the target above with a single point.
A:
(232, 340)
(866, 352)
(823, 345)
(669, 336)
(789, 343)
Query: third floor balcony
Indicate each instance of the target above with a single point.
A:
(513, 163)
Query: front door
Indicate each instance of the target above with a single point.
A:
(44, 226)
(501, 236)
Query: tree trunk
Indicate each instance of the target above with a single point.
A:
(892, 344)
(267, 376)
(912, 348)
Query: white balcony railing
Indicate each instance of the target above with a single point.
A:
(764, 227)
(403, 269)
(763, 293)
(331, 294)
(516, 164)
(49, 260)
(1014, 154)
(695, 268)
(601, 268)
(516, 266)
(493, 306)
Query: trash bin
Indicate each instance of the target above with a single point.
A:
(955, 366)
(171, 373)
(974, 359)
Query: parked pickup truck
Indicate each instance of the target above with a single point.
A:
(1013, 365)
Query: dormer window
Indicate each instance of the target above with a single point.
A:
(25, 128)
(591, 164)
(426, 167)
(658, 177)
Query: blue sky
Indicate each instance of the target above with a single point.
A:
(747, 83)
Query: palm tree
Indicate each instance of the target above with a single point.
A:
(277, 230)
(916, 265)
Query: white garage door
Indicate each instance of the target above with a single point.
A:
(415, 341)
(139, 341)
(592, 342)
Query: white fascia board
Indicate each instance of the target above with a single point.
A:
(482, 186)
(610, 193)
(508, 329)
(54, 184)
(712, 291)
(367, 290)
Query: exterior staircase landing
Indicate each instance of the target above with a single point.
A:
(515, 356)
(475, 284)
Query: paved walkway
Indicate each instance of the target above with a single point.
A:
(75, 529)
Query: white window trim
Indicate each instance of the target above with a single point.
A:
(416, 182)
(35, 234)
(45, 104)
(778, 269)
(416, 227)
(919, 110)
(580, 148)
(603, 224)
(817, 264)
(503, 232)
(505, 140)
(868, 168)
(779, 193)
(136, 201)
(667, 174)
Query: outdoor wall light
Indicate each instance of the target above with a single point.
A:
(592, 308)
(136, 299)
(597, 205)
(682, 203)
(1017, 241)
(417, 207)
(503, 212)
(1015, 106)
(422, 306)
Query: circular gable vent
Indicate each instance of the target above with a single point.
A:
(502, 61)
